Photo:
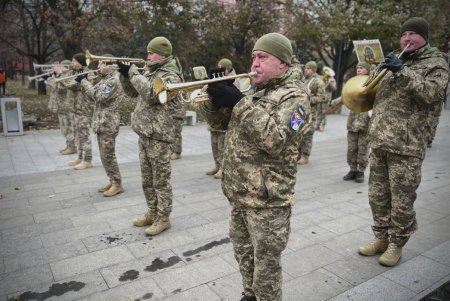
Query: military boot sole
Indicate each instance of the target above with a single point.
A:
(152, 232)
(112, 193)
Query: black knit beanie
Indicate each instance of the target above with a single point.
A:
(418, 25)
(80, 58)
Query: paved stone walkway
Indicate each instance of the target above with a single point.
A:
(61, 240)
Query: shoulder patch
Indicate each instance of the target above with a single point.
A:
(296, 118)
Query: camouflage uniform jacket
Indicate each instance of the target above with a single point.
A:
(297, 68)
(151, 119)
(403, 100)
(82, 104)
(261, 147)
(53, 94)
(59, 92)
(107, 94)
(316, 87)
(358, 122)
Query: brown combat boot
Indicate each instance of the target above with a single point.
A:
(162, 223)
(114, 190)
(391, 256)
(212, 172)
(145, 220)
(375, 246)
(63, 149)
(218, 175)
(69, 151)
(83, 165)
(75, 162)
(105, 187)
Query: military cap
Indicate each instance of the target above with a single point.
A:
(277, 45)
(161, 46)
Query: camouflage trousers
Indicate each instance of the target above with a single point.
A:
(178, 141)
(321, 116)
(434, 121)
(393, 182)
(154, 157)
(217, 146)
(306, 143)
(107, 146)
(357, 150)
(66, 125)
(258, 237)
(83, 136)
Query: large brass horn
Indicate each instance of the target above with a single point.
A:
(162, 89)
(358, 93)
(95, 58)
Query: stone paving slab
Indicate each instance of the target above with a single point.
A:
(61, 240)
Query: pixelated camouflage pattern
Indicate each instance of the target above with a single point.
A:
(152, 119)
(107, 146)
(358, 121)
(357, 150)
(82, 104)
(433, 119)
(297, 70)
(153, 122)
(330, 87)
(217, 146)
(107, 95)
(399, 120)
(393, 182)
(398, 134)
(357, 144)
(154, 158)
(66, 104)
(316, 88)
(52, 92)
(82, 126)
(177, 145)
(261, 148)
(66, 125)
(258, 237)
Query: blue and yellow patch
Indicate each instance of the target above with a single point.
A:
(296, 118)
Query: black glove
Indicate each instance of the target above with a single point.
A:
(80, 77)
(224, 95)
(392, 63)
(123, 69)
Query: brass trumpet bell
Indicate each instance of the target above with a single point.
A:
(356, 96)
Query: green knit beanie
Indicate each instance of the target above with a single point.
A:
(80, 58)
(277, 45)
(418, 25)
(161, 46)
(225, 63)
(312, 65)
(364, 65)
(65, 62)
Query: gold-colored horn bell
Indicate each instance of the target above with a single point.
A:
(357, 96)
(95, 58)
(162, 89)
(358, 93)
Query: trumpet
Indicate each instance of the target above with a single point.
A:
(94, 58)
(49, 66)
(38, 77)
(162, 89)
(75, 75)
